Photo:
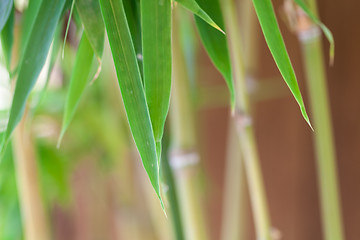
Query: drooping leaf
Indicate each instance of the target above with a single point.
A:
(7, 38)
(131, 88)
(5, 10)
(35, 54)
(79, 80)
(325, 30)
(90, 15)
(265, 13)
(215, 43)
(194, 7)
(156, 46)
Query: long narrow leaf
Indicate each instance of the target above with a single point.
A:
(275, 42)
(194, 7)
(156, 46)
(131, 87)
(5, 10)
(35, 53)
(79, 80)
(325, 30)
(215, 43)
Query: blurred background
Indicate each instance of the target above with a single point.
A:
(94, 186)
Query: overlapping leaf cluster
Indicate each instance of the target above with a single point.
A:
(139, 33)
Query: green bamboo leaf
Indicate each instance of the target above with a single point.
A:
(265, 13)
(5, 10)
(35, 54)
(131, 88)
(325, 30)
(79, 80)
(215, 43)
(90, 15)
(7, 38)
(194, 7)
(156, 46)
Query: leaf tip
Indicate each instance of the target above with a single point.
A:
(306, 117)
(214, 25)
(163, 207)
(97, 71)
(62, 133)
(332, 55)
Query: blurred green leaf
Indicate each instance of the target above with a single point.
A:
(79, 80)
(35, 54)
(54, 172)
(131, 88)
(5, 10)
(265, 13)
(325, 30)
(7, 38)
(215, 43)
(156, 46)
(90, 15)
(194, 7)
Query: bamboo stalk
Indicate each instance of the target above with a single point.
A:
(31, 203)
(244, 126)
(234, 224)
(312, 54)
(184, 157)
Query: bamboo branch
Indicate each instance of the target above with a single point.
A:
(309, 36)
(244, 125)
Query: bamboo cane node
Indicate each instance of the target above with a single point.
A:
(183, 159)
(299, 22)
(275, 233)
(251, 83)
(242, 120)
(308, 34)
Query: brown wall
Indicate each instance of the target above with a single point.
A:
(285, 141)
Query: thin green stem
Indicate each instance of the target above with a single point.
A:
(234, 225)
(312, 52)
(244, 125)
